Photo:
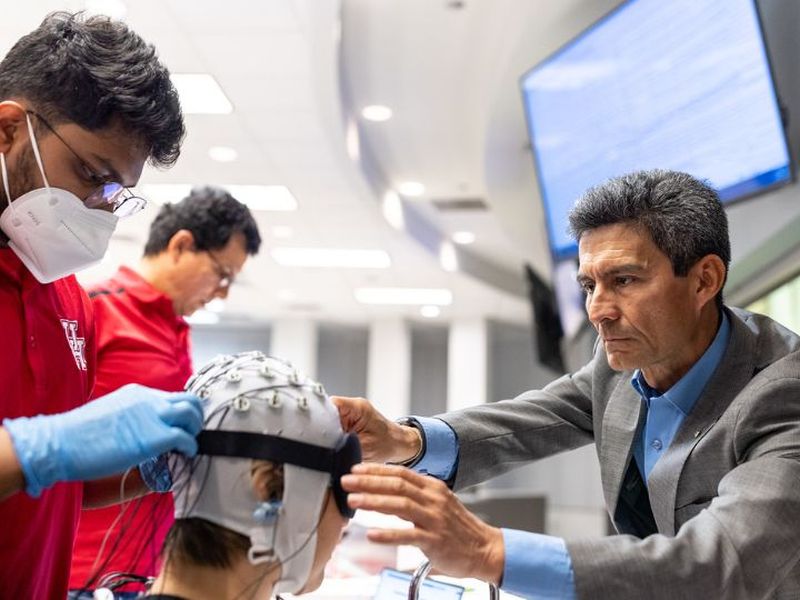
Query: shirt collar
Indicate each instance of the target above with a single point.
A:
(688, 388)
(139, 288)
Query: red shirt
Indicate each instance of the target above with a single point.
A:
(140, 339)
(47, 349)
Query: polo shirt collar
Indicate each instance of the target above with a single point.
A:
(140, 289)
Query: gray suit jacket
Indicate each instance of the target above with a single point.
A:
(725, 495)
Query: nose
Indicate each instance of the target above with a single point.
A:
(601, 306)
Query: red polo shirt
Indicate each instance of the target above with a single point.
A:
(140, 339)
(47, 352)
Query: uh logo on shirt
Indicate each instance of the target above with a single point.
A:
(76, 344)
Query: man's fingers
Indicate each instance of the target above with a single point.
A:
(397, 537)
(350, 411)
(183, 442)
(399, 506)
(184, 411)
(384, 470)
(393, 484)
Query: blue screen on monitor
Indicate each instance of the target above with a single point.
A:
(394, 586)
(682, 85)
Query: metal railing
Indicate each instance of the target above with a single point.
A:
(422, 572)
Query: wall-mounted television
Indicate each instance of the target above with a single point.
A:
(547, 328)
(677, 84)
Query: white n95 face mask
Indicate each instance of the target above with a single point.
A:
(51, 230)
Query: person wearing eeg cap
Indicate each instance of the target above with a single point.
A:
(260, 509)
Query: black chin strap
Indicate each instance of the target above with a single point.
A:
(246, 444)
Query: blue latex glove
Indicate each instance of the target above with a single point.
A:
(105, 436)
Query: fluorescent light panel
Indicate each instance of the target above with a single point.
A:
(331, 257)
(257, 197)
(404, 296)
(264, 197)
(200, 94)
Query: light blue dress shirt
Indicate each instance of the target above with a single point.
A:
(666, 412)
(538, 566)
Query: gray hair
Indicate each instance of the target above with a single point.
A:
(683, 215)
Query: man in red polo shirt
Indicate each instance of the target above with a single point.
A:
(195, 249)
(84, 102)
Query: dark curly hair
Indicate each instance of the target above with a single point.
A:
(211, 214)
(93, 71)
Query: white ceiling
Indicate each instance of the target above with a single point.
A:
(295, 72)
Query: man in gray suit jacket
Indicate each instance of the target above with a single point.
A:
(694, 409)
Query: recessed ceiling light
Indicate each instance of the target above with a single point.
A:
(203, 317)
(264, 197)
(376, 112)
(430, 311)
(392, 209)
(404, 296)
(463, 237)
(448, 258)
(200, 94)
(282, 232)
(412, 189)
(223, 153)
(331, 257)
(115, 9)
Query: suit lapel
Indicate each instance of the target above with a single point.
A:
(733, 373)
(620, 424)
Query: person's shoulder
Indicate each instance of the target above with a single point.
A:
(772, 338)
(776, 348)
(70, 292)
(108, 290)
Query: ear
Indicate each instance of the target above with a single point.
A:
(708, 275)
(13, 127)
(181, 241)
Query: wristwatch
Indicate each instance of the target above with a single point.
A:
(413, 422)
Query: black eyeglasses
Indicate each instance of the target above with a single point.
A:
(225, 274)
(109, 194)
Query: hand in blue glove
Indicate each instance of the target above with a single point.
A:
(104, 437)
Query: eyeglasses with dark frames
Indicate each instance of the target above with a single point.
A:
(108, 194)
(224, 274)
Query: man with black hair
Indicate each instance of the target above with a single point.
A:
(693, 406)
(195, 249)
(84, 102)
